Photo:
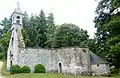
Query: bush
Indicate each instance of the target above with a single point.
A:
(25, 69)
(39, 68)
(14, 69)
(114, 71)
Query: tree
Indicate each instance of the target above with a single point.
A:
(5, 34)
(26, 38)
(25, 20)
(4, 42)
(92, 45)
(6, 23)
(50, 31)
(41, 29)
(108, 30)
(1, 32)
(31, 28)
(67, 35)
(114, 39)
(103, 11)
(116, 3)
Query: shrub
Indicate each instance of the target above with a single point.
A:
(25, 69)
(114, 71)
(39, 68)
(14, 69)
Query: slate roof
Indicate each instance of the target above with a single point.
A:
(96, 59)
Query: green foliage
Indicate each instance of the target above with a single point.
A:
(4, 42)
(25, 69)
(30, 26)
(39, 68)
(116, 3)
(25, 20)
(26, 38)
(50, 31)
(116, 49)
(92, 45)
(1, 32)
(67, 35)
(5, 39)
(113, 26)
(102, 17)
(43, 33)
(114, 71)
(41, 30)
(113, 40)
(14, 69)
(1, 55)
(6, 23)
(5, 34)
(108, 29)
(37, 29)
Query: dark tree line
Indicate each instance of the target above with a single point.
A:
(44, 33)
(107, 23)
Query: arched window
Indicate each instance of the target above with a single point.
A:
(18, 17)
(12, 41)
(18, 22)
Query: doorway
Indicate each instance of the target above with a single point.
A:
(60, 68)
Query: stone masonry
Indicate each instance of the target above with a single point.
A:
(68, 60)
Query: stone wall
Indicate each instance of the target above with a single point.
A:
(13, 48)
(69, 60)
(100, 69)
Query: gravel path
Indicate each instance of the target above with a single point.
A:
(1, 63)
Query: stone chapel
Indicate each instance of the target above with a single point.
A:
(74, 60)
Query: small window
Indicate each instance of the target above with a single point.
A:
(12, 40)
(10, 52)
(97, 65)
(11, 63)
(18, 17)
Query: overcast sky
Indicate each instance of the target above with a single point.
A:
(79, 12)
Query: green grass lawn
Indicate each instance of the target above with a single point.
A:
(46, 75)
(49, 75)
